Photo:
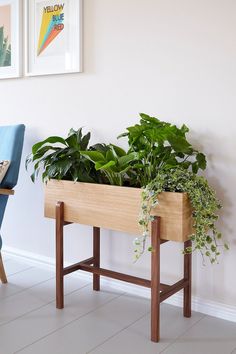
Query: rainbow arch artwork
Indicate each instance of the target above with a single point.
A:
(51, 25)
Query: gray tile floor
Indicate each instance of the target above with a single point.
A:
(105, 322)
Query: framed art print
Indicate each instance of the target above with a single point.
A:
(10, 38)
(53, 33)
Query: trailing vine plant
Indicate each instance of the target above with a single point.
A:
(206, 238)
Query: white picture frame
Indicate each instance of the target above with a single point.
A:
(10, 39)
(53, 37)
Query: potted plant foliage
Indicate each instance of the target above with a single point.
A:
(105, 186)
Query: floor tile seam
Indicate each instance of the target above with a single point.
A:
(144, 299)
(25, 314)
(67, 324)
(26, 289)
(117, 333)
(20, 271)
(182, 334)
(38, 308)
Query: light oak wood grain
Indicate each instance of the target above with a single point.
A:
(117, 208)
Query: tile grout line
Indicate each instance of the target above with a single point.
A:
(20, 271)
(120, 331)
(27, 313)
(38, 308)
(69, 323)
(90, 351)
(175, 339)
(26, 289)
(80, 317)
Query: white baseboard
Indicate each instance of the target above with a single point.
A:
(216, 309)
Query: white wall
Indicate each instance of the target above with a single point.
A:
(173, 59)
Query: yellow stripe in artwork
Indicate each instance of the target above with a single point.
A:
(46, 19)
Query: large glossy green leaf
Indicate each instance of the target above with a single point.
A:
(94, 156)
(184, 129)
(136, 130)
(45, 149)
(179, 144)
(60, 158)
(127, 159)
(59, 168)
(171, 162)
(72, 140)
(122, 135)
(118, 150)
(50, 140)
(103, 148)
(85, 141)
(77, 133)
(147, 119)
(201, 159)
(111, 155)
(100, 166)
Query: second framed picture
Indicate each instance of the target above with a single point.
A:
(10, 38)
(53, 35)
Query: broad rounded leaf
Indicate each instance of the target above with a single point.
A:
(125, 160)
(118, 150)
(201, 159)
(94, 156)
(50, 140)
(100, 166)
(178, 143)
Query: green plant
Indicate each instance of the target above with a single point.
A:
(159, 158)
(113, 161)
(160, 145)
(204, 203)
(61, 158)
(5, 49)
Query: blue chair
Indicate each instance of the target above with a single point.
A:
(11, 143)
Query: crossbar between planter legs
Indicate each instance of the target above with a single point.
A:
(159, 291)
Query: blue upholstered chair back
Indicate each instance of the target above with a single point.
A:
(11, 143)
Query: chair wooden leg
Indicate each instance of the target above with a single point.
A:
(155, 280)
(187, 276)
(2, 271)
(96, 256)
(59, 255)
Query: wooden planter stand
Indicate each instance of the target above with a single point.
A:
(117, 208)
(159, 292)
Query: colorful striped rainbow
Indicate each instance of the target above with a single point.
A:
(51, 27)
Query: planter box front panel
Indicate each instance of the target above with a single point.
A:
(117, 208)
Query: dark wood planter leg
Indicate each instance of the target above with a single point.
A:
(59, 255)
(187, 276)
(155, 280)
(96, 256)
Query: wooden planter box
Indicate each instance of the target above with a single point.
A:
(118, 208)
